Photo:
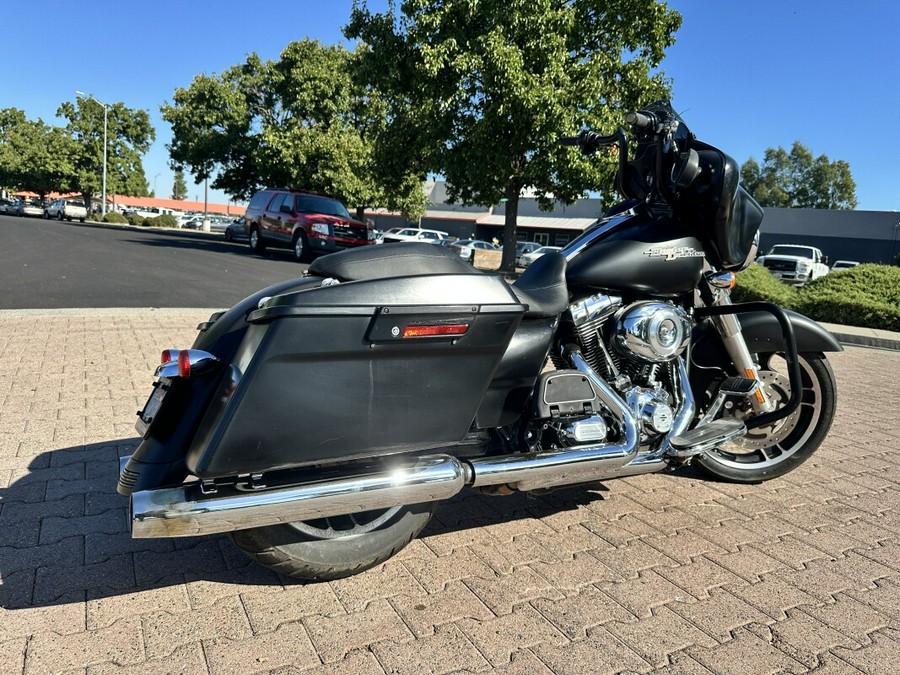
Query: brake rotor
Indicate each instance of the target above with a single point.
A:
(777, 388)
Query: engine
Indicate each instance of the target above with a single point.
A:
(633, 347)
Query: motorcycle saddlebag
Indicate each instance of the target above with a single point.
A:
(357, 370)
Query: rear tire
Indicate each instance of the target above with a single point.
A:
(333, 548)
(769, 452)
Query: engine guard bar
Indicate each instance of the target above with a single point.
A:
(790, 355)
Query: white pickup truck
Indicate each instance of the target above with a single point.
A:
(795, 264)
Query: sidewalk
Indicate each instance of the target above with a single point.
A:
(659, 573)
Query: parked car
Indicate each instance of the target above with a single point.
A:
(306, 222)
(68, 209)
(31, 207)
(843, 265)
(415, 234)
(466, 248)
(523, 247)
(379, 236)
(529, 258)
(795, 264)
(236, 230)
(5, 204)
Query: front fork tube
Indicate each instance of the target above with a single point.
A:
(729, 328)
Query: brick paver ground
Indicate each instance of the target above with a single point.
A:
(655, 573)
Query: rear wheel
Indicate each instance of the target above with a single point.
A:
(228, 236)
(332, 548)
(256, 242)
(771, 451)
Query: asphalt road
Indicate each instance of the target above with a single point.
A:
(46, 264)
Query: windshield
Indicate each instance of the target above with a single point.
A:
(799, 251)
(322, 205)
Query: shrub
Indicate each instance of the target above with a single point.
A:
(867, 295)
(114, 217)
(756, 283)
(135, 219)
(165, 220)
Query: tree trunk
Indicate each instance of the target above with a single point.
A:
(87, 198)
(508, 262)
(361, 213)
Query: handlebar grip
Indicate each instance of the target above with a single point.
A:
(640, 120)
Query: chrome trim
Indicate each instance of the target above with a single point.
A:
(655, 331)
(184, 512)
(607, 226)
(530, 471)
(198, 359)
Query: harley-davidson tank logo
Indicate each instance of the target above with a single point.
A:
(674, 252)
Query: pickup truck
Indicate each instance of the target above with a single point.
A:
(795, 264)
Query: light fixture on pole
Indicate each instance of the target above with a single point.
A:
(105, 111)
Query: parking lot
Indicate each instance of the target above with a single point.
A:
(651, 573)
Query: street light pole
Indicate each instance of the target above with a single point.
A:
(105, 111)
(154, 185)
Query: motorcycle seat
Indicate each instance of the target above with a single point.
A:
(542, 286)
(386, 261)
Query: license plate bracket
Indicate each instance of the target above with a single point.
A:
(151, 407)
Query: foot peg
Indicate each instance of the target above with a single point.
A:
(706, 437)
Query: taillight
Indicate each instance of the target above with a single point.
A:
(184, 363)
(169, 355)
(433, 330)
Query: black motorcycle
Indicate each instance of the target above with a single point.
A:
(319, 421)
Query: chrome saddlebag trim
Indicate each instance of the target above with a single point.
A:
(185, 511)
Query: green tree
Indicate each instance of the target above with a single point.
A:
(129, 136)
(300, 121)
(481, 91)
(796, 179)
(179, 186)
(33, 155)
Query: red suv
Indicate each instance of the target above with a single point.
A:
(306, 222)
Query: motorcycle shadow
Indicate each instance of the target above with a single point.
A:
(64, 533)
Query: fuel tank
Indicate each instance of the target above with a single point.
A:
(635, 254)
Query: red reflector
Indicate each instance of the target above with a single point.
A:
(167, 355)
(184, 363)
(435, 329)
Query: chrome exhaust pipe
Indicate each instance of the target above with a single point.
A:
(184, 511)
(530, 471)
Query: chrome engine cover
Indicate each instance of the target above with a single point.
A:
(653, 331)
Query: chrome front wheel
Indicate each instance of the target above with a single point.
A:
(772, 451)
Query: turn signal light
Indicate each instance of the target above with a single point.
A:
(435, 330)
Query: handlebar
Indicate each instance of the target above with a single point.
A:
(640, 120)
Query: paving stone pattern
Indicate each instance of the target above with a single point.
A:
(660, 573)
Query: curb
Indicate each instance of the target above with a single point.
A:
(171, 231)
(871, 341)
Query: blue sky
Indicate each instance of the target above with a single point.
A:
(747, 75)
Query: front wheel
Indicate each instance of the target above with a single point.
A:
(301, 247)
(257, 245)
(771, 451)
(332, 548)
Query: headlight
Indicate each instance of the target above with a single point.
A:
(803, 266)
(321, 228)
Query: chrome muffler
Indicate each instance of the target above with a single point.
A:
(185, 511)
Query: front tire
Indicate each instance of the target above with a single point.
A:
(333, 548)
(300, 246)
(769, 452)
(257, 245)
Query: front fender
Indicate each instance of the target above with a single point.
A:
(763, 334)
